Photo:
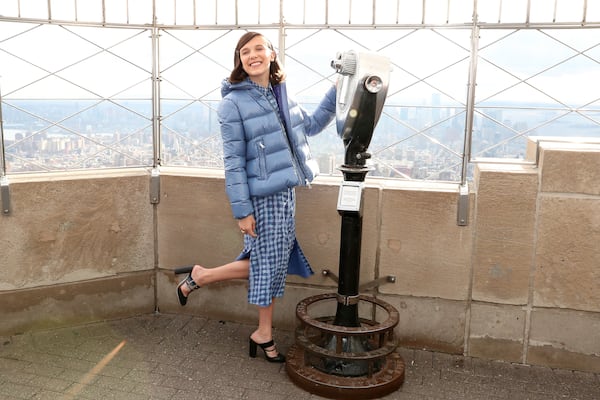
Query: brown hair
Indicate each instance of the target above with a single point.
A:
(276, 73)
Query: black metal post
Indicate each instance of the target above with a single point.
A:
(354, 170)
(349, 270)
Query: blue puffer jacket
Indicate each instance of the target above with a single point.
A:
(259, 159)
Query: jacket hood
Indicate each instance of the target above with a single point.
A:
(227, 87)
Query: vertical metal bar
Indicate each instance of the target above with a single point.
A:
(500, 11)
(584, 17)
(448, 12)
(236, 12)
(555, 7)
(462, 214)
(349, 11)
(104, 11)
(374, 315)
(127, 11)
(374, 11)
(259, 12)
(338, 344)
(397, 11)
(5, 195)
(303, 12)
(424, 4)
(326, 11)
(2, 155)
(194, 11)
(4, 186)
(470, 111)
(76, 18)
(281, 38)
(156, 117)
(49, 10)
(528, 16)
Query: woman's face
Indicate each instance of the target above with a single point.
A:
(256, 57)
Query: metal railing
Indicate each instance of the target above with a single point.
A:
(305, 12)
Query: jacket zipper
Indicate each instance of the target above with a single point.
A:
(295, 164)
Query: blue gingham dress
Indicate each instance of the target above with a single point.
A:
(270, 251)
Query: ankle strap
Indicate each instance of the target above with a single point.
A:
(270, 343)
(191, 283)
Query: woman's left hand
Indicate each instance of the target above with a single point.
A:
(248, 225)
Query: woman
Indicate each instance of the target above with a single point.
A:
(266, 155)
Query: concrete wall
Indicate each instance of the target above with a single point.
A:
(76, 247)
(519, 283)
(565, 291)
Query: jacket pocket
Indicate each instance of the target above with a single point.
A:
(262, 160)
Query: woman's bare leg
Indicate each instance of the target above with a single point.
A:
(264, 332)
(203, 276)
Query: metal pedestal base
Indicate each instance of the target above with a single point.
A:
(342, 362)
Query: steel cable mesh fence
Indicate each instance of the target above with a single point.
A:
(79, 95)
(557, 95)
(192, 66)
(67, 109)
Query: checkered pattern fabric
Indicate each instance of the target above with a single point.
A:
(270, 251)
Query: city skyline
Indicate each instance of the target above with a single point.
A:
(193, 139)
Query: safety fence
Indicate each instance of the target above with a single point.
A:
(112, 83)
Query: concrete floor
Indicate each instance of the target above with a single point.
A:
(164, 356)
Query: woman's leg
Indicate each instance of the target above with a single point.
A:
(264, 332)
(203, 276)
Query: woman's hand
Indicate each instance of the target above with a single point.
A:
(248, 225)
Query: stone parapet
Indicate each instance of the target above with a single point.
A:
(66, 228)
(505, 231)
(568, 233)
(421, 243)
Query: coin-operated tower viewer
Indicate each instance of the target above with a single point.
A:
(361, 92)
(350, 356)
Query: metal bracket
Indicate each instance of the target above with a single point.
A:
(327, 273)
(155, 186)
(5, 194)
(376, 283)
(364, 287)
(462, 217)
(347, 300)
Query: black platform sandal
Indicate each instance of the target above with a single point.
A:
(279, 358)
(191, 284)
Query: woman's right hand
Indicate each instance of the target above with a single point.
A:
(248, 225)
